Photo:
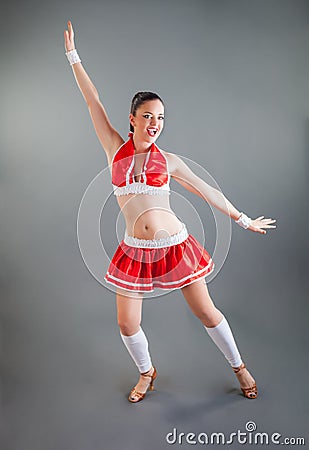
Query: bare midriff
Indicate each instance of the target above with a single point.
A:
(149, 216)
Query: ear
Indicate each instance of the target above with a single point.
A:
(132, 120)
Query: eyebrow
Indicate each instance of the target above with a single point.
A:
(160, 114)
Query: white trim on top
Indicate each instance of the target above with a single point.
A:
(167, 165)
(140, 188)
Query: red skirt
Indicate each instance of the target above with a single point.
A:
(166, 263)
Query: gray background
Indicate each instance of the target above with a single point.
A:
(234, 77)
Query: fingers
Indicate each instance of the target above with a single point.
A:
(69, 31)
(267, 224)
(68, 44)
(269, 220)
(69, 37)
(70, 27)
(260, 223)
(66, 38)
(262, 218)
(259, 230)
(264, 223)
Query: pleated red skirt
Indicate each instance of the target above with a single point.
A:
(166, 263)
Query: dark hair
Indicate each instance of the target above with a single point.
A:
(139, 99)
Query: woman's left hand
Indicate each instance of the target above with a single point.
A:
(69, 37)
(258, 224)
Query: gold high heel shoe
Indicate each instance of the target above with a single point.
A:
(250, 392)
(141, 395)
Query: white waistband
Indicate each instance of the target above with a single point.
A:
(157, 243)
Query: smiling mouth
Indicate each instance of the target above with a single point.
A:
(152, 131)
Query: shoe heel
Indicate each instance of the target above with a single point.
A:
(154, 376)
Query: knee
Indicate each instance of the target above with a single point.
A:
(210, 318)
(128, 328)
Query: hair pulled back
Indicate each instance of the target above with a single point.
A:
(139, 99)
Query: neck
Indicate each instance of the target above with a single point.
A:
(140, 145)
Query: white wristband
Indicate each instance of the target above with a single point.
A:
(73, 57)
(244, 221)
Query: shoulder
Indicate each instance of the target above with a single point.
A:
(174, 161)
(117, 146)
(178, 169)
(171, 159)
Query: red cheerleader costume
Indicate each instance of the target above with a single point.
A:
(144, 264)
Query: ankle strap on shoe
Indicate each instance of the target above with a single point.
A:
(237, 369)
(147, 374)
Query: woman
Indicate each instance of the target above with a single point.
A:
(157, 250)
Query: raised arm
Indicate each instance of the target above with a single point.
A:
(108, 136)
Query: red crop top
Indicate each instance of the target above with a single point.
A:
(154, 179)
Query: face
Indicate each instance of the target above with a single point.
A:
(148, 121)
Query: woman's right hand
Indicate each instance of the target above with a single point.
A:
(69, 38)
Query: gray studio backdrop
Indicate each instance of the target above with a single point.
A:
(234, 77)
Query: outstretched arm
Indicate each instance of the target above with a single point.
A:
(188, 179)
(108, 136)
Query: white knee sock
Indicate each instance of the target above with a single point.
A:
(223, 337)
(137, 346)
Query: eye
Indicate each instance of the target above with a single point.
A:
(146, 116)
(161, 118)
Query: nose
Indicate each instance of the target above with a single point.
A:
(153, 121)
